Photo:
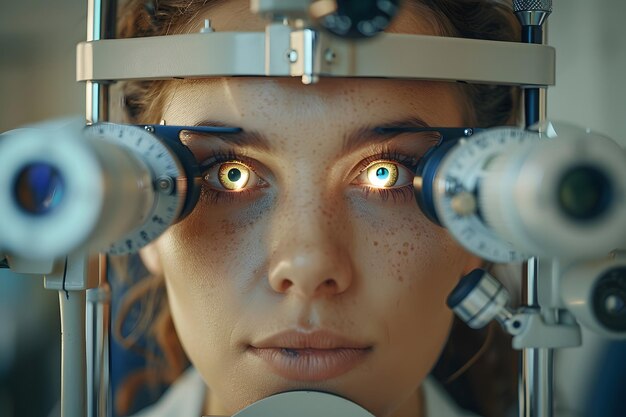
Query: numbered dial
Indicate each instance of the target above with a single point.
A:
(457, 185)
(165, 194)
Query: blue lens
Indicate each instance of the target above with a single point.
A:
(38, 188)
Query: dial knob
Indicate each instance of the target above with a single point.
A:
(167, 192)
(360, 19)
(456, 189)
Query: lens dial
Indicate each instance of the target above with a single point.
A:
(456, 192)
(168, 188)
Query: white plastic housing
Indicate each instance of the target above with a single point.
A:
(101, 181)
(519, 201)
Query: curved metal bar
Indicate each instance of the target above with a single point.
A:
(386, 56)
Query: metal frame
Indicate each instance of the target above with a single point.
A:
(217, 54)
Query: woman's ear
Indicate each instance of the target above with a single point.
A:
(151, 259)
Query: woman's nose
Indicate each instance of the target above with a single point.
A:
(310, 258)
(311, 273)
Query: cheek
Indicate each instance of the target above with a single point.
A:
(410, 266)
(208, 259)
(211, 255)
(216, 242)
(406, 248)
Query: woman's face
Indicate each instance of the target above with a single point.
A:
(307, 262)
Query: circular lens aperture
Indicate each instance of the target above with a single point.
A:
(584, 193)
(38, 188)
(609, 299)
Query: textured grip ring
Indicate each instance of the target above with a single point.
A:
(532, 5)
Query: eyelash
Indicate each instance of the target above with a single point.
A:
(403, 193)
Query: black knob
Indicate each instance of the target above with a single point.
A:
(360, 18)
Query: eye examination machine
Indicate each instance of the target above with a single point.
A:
(546, 197)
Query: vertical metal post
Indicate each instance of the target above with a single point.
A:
(98, 322)
(100, 25)
(536, 369)
(543, 361)
(73, 390)
(528, 374)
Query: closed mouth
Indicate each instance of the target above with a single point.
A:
(310, 356)
(310, 364)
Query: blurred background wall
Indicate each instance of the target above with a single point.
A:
(37, 69)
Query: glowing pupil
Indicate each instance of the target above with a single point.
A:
(382, 174)
(234, 176)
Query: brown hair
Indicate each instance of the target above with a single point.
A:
(488, 385)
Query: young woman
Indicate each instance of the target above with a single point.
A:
(307, 263)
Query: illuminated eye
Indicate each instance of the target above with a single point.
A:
(233, 176)
(382, 174)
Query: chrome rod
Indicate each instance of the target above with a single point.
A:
(535, 391)
(100, 25)
(73, 384)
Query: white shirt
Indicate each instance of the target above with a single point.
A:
(185, 398)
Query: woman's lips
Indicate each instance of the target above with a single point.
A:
(311, 356)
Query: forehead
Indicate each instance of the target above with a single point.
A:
(336, 101)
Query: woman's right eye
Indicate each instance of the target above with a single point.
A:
(232, 177)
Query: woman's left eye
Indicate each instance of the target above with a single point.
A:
(231, 176)
(385, 174)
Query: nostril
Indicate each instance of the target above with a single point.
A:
(330, 283)
(285, 284)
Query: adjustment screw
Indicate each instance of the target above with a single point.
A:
(165, 184)
(464, 204)
(292, 55)
(329, 56)
(207, 27)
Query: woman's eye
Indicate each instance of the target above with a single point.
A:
(231, 176)
(385, 174)
(382, 174)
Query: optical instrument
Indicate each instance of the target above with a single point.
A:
(71, 180)
(506, 194)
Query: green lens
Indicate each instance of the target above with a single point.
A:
(584, 193)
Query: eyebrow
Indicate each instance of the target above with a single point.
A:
(357, 139)
(242, 138)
